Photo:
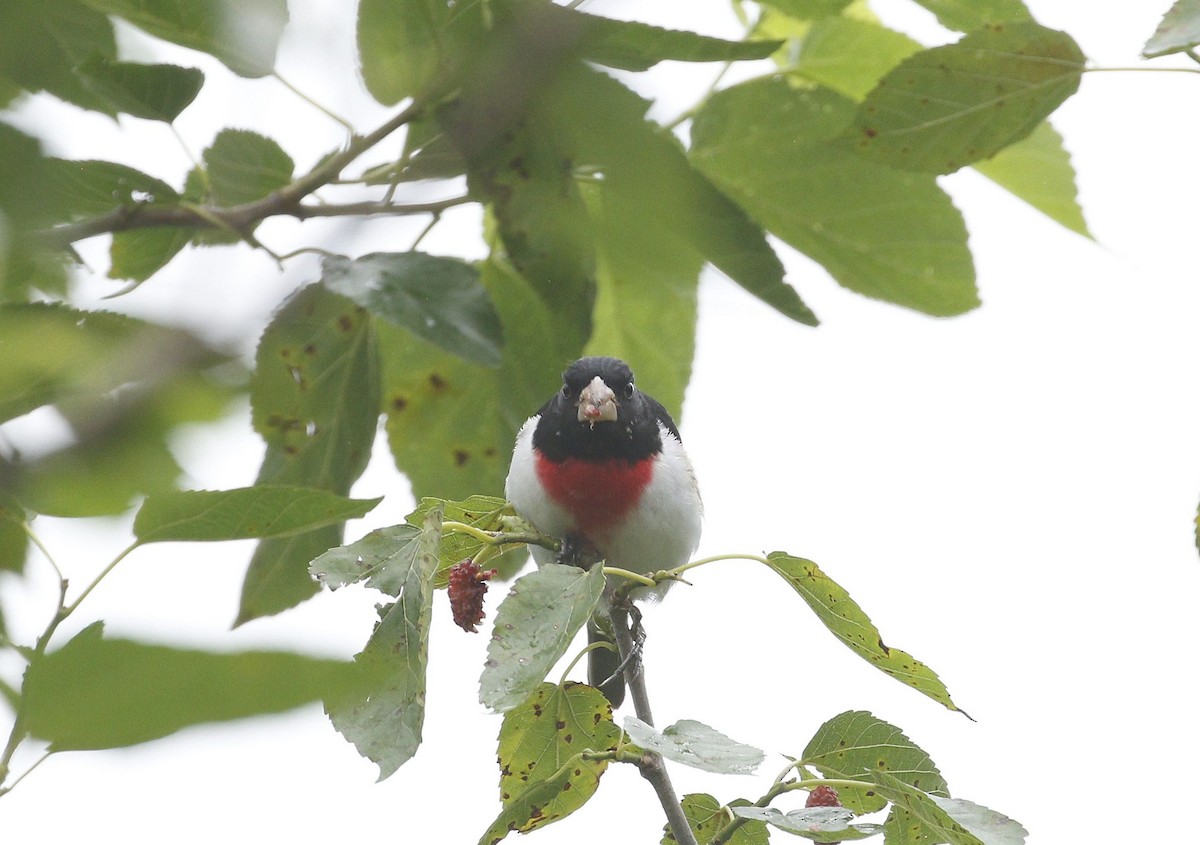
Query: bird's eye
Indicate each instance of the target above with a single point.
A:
(628, 390)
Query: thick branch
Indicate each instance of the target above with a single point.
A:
(651, 765)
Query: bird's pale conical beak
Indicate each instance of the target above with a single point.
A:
(597, 403)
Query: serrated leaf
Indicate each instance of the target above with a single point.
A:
(384, 558)
(1179, 30)
(410, 48)
(546, 801)
(386, 724)
(241, 514)
(820, 824)
(541, 734)
(706, 816)
(947, 820)
(438, 299)
(90, 188)
(631, 45)
(697, 745)
(850, 55)
(96, 692)
(242, 34)
(889, 235)
(808, 9)
(42, 40)
(153, 92)
(244, 166)
(1038, 170)
(140, 253)
(949, 106)
(535, 625)
(987, 825)
(451, 425)
(853, 742)
(847, 621)
(315, 400)
(487, 513)
(968, 15)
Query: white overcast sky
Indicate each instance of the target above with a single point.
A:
(1008, 494)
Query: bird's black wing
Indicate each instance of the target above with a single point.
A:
(662, 415)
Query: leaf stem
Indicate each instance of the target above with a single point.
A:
(327, 112)
(69, 609)
(632, 576)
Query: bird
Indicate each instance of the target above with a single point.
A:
(601, 467)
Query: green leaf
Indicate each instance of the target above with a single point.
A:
(84, 189)
(487, 513)
(315, 400)
(14, 542)
(109, 693)
(985, 824)
(438, 299)
(947, 820)
(140, 253)
(697, 745)
(153, 92)
(885, 234)
(820, 824)
(384, 558)
(853, 742)
(546, 801)
(808, 9)
(243, 513)
(630, 45)
(26, 268)
(540, 735)
(968, 15)
(385, 725)
(706, 816)
(1038, 170)
(451, 425)
(847, 621)
(850, 55)
(244, 166)
(415, 48)
(535, 625)
(41, 41)
(242, 34)
(1179, 30)
(950, 106)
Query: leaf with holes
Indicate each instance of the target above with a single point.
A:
(847, 621)
(383, 559)
(855, 741)
(245, 513)
(949, 106)
(535, 625)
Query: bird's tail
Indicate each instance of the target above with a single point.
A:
(604, 665)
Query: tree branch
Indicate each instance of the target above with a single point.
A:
(651, 765)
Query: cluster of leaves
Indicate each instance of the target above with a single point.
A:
(599, 222)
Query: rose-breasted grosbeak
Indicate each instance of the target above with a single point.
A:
(601, 466)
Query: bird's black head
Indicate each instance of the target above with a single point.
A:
(599, 415)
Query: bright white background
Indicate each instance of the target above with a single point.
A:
(1009, 495)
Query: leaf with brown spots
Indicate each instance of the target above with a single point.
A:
(847, 621)
(944, 819)
(855, 741)
(546, 730)
(706, 816)
(483, 512)
(950, 106)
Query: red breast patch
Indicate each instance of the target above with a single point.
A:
(596, 493)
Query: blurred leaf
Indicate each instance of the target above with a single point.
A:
(83, 189)
(1179, 30)
(847, 621)
(384, 558)
(541, 734)
(385, 725)
(437, 299)
(968, 15)
(820, 824)
(41, 41)
(630, 45)
(1038, 170)
(697, 745)
(850, 55)
(140, 253)
(950, 106)
(706, 816)
(242, 34)
(889, 235)
(535, 625)
(852, 742)
(14, 542)
(25, 206)
(408, 46)
(243, 166)
(315, 400)
(486, 513)
(153, 92)
(108, 693)
(241, 514)
(808, 9)
(451, 425)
